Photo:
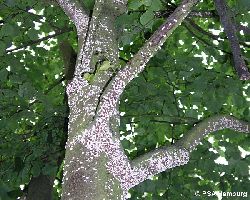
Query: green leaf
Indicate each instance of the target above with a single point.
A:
(18, 164)
(49, 170)
(134, 5)
(15, 194)
(242, 168)
(36, 169)
(25, 174)
(33, 34)
(146, 17)
(147, 2)
(4, 189)
(7, 29)
(156, 5)
(3, 72)
(243, 5)
(89, 4)
(105, 66)
(2, 48)
(10, 3)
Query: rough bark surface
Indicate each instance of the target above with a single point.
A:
(96, 166)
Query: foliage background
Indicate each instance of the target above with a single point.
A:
(190, 78)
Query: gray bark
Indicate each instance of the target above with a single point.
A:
(96, 166)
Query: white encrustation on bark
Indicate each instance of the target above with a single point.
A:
(92, 143)
(77, 14)
(95, 135)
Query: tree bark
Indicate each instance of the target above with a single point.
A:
(96, 166)
(230, 29)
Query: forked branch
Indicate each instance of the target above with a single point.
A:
(59, 32)
(138, 62)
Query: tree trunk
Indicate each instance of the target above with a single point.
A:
(85, 172)
(96, 166)
(87, 175)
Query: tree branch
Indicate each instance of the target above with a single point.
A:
(169, 120)
(210, 125)
(212, 14)
(77, 14)
(157, 161)
(51, 87)
(138, 62)
(165, 158)
(203, 14)
(128, 174)
(40, 40)
(201, 39)
(230, 30)
(199, 14)
(201, 30)
(212, 36)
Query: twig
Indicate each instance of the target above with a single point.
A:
(204, 14)
(214, 37)
(204, 41)
(40, 40)
(201, 30)
(53, 85)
